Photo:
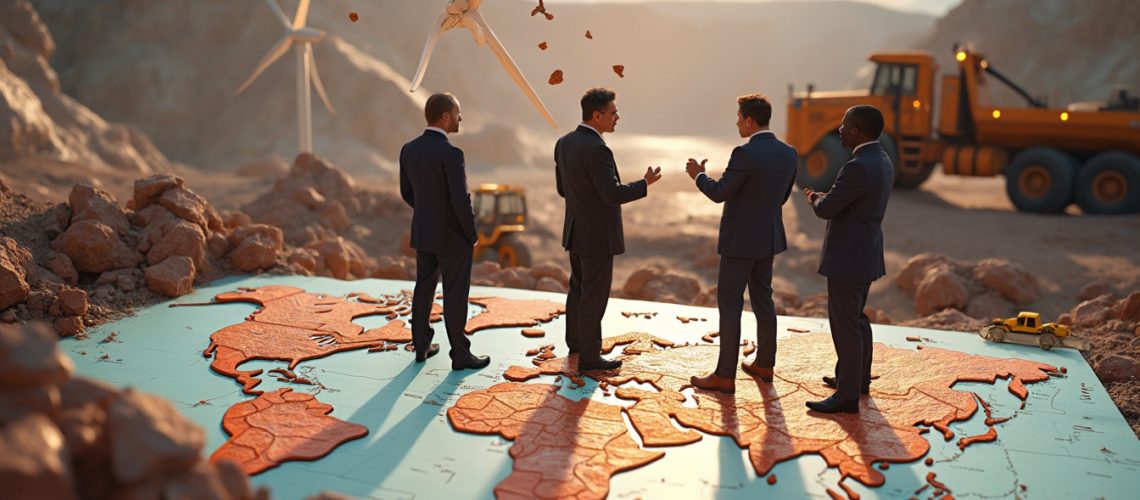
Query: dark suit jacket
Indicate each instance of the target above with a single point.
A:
(587, 177)
(854, 208)
(756, 183)
(433, 182)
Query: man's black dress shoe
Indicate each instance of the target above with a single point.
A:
(834, 405)
(598, 364)
(423, 356)
(830, 382)
(471, 361)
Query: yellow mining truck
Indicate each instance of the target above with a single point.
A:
(500, 219)
(1027, 328)
(1087, 152)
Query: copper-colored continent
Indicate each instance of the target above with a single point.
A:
(294, 326)
(620, 70)
(562, 449)
(502, 312)
(555, 77)
(280, 426)
(913, 392)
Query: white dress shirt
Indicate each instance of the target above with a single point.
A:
(437, 129)
(583, 124)
(754, 134)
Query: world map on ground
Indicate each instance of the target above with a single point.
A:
(948, 413)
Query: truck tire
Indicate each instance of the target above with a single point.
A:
(1109, 183)
(1047, 341)
(512, 251)
(820, 167)
(1040, 180)
(996, 334)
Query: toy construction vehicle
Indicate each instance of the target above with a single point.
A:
(500, 218)
(1027, 329)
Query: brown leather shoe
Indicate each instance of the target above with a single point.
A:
(713, 382)
(764, 374)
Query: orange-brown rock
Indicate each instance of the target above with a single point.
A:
(14, 260)
(150, 437)
(552, 271)
(940, 288)
(916, 268)
(30, 359)
(187, 205)
(73, 301)
(60, 265)
(500, 312)
(69, 326)
(549, 285)
(148, 189)
(1095, 311)
(1012, 280)
(94, 247)
(36, 461)
(180, 238)
(173, 277)
(90, 203)
(1093, 290)
(254, 253)
(555, 77)
(281, 426)
(661, 285)
(988, 305)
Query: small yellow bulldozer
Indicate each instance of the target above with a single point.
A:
(1027, 329)
(500, 218)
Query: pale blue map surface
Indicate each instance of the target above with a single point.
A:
(1069, 441)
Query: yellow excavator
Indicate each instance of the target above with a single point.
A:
(500, 219)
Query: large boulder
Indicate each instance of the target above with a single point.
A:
(1093, 290)
(36, 461)
(916, 268)
(939, 289)
(1012, 280)
(90, 203)
(658, 284)
(256, 247)
(94, 247)
(1129, 307)
(14, 260)
(73, 302)
(60, 265)
(1094, 312)
(30, 359)
(1118, 368)
(988, 305)
(552, 271)
(150, 437)
(173, 277)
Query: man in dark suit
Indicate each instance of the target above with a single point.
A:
(852, 255)
(587, 177)
(754, 187)
(433, 182)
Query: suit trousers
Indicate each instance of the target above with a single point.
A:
(454, 264)
(851, 334)
(734, 275)
(590, 279)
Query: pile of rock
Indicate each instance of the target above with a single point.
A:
(1112, 324)
(544, 277)
(984, 290)
(90, 248)
(329, 222)
(68, 437)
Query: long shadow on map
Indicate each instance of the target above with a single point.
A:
(387, 451)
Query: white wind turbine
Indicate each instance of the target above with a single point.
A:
(465, 13)
(300, 38)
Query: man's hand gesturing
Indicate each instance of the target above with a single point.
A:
(694, 169)
(652, 175)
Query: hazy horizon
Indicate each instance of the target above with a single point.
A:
(932, 7)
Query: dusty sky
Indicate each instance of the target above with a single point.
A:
(934, 7)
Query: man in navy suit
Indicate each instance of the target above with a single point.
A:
(433, 182)
(754, 187)
(852, 255)
(587, 177)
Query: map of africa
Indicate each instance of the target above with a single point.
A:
(308, 383)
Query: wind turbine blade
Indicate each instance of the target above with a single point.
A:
(279, 49)
(316, 77)
(280, 13)
(433, 38)
(302, 15)
(513, 69)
